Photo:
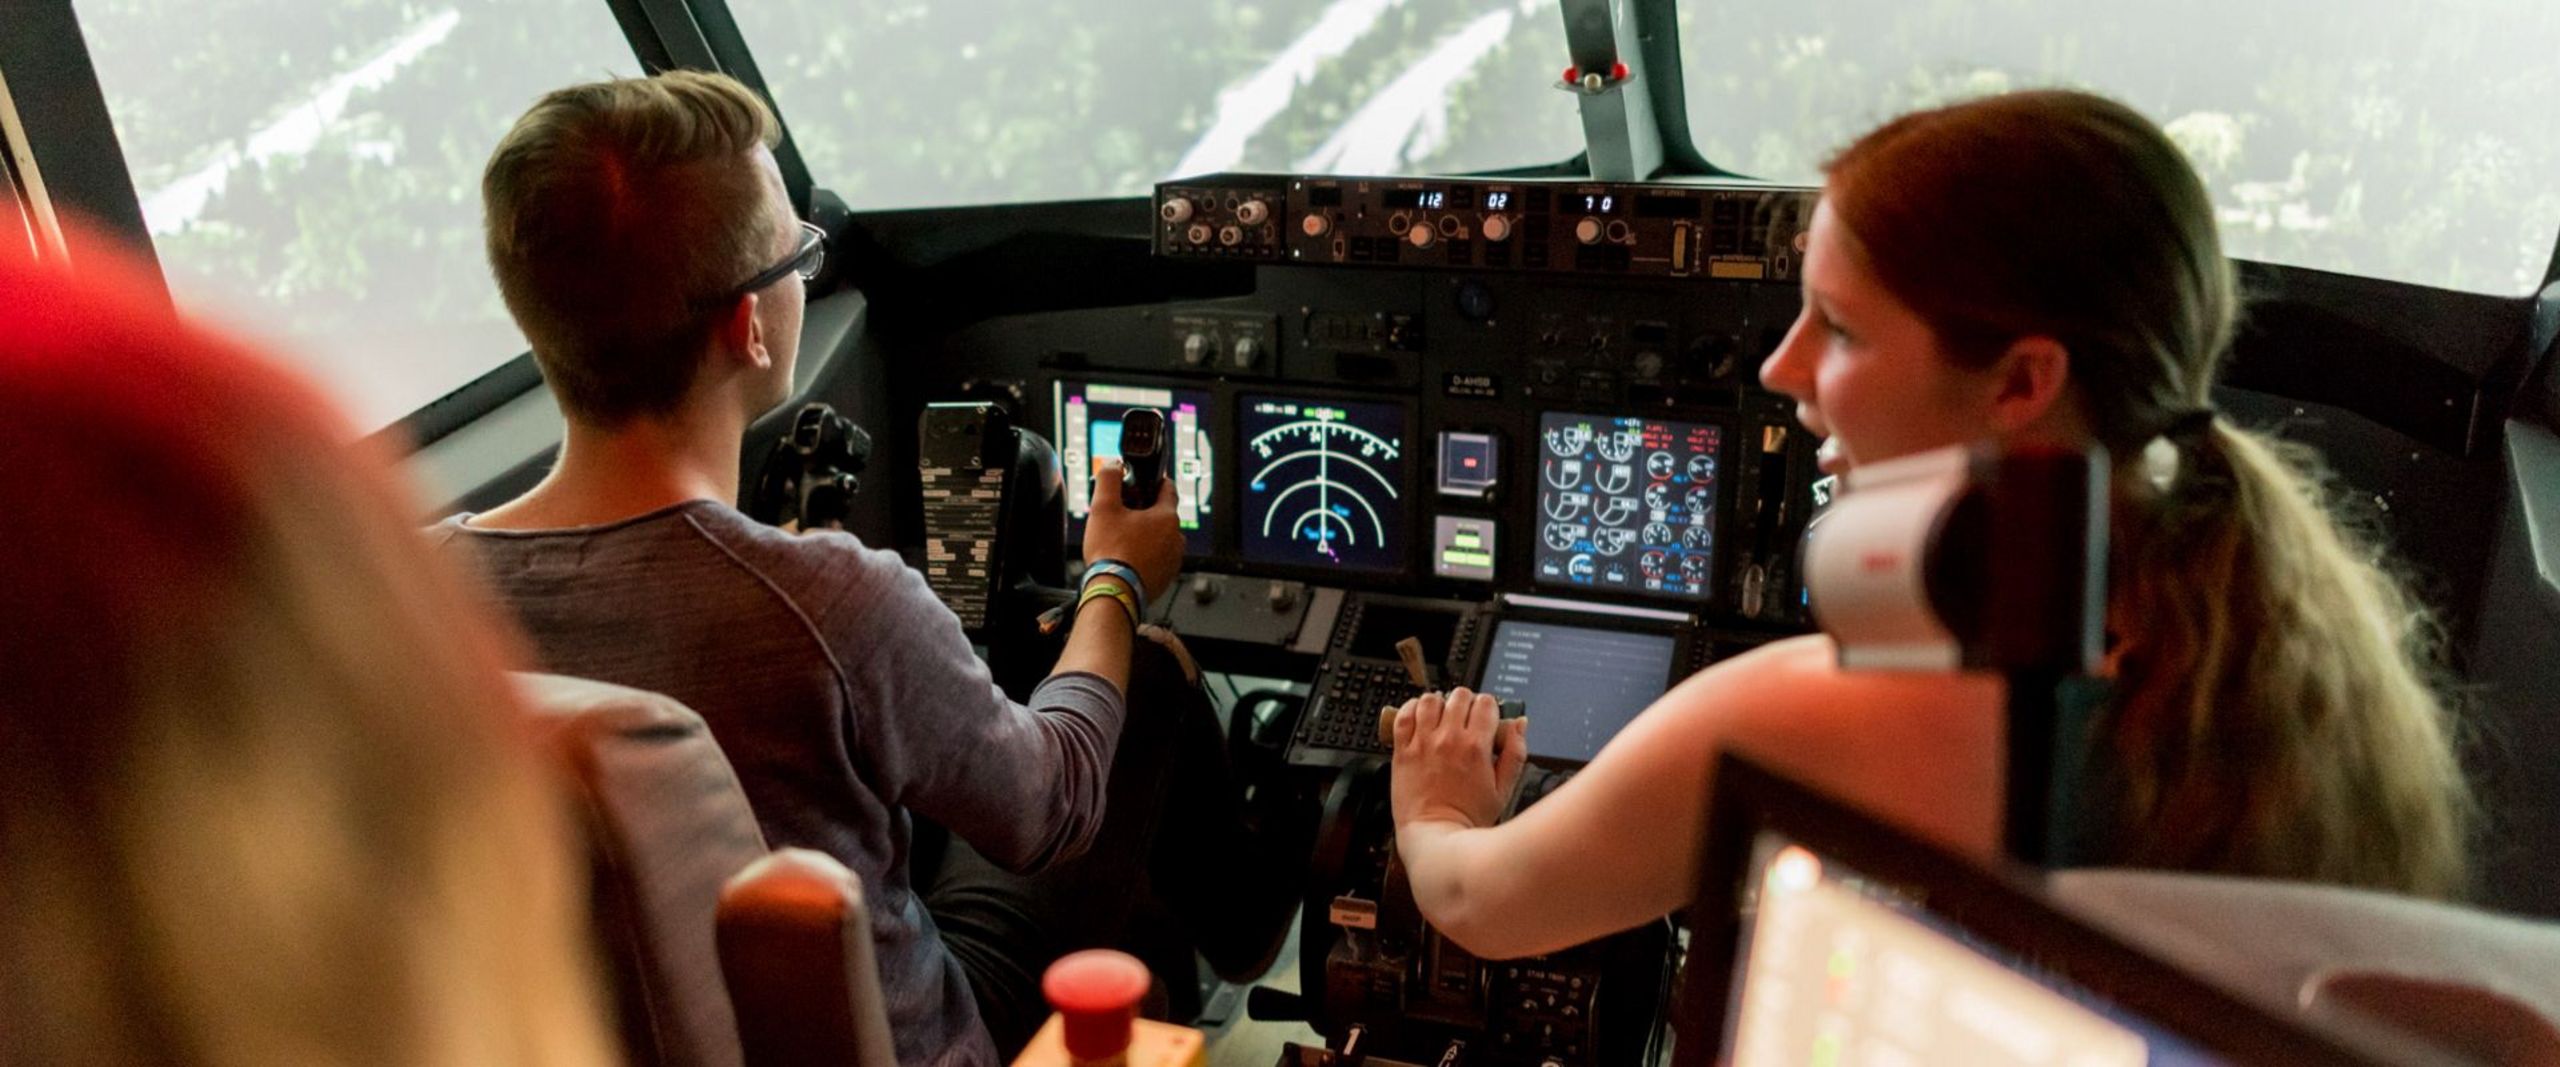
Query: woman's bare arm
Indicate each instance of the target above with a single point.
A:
(1617, 845)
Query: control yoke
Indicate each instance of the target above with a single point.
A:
(1141, 457)
(810, 475)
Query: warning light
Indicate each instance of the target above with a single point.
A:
(1468, 464)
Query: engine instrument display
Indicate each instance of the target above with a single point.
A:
(1324, 482)
(1627, 504)
(1087, 416)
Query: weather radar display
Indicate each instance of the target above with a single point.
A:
(1323, 483)
(1627, 504)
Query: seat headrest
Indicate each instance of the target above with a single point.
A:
(2317, 946)
(666, 826)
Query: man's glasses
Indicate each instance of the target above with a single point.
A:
(804, 261)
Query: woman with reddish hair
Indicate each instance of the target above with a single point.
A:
(2041, 268)
(262, 794)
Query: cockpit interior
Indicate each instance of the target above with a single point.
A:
(1444, 322)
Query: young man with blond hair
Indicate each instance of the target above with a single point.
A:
(642, 237)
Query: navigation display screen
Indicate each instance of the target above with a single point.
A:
(1324, 482)
(1579, 686)
(1087, 415)
(1627, 504)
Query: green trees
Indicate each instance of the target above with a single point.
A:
(337, 146)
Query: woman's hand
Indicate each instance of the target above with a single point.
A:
(1456, 759)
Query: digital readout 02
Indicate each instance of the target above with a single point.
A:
(1497, 201)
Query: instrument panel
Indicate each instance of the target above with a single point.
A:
(1517, 422)
(1423, 420)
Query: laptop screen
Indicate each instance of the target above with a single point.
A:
(1824, 936)
(1836, 969)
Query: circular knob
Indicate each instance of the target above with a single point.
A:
(1315, 224)
(1252, 212)
(1422, 236)
(1648, 364)
(1203, 589)
(1198, 233)
(1398, 223)
(1247, 351)
(1195, 349)
(1497, 228)
(1587, 231)
(1618, 230)
(1176, 210)
(1096, 993)
(1230, 235)
(1284, 596)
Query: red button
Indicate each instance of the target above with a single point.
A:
(1097, 992)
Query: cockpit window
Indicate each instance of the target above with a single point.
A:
(310, 169)
(2413, 142)
(914, 103)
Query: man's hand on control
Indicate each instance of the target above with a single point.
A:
(1149, 540)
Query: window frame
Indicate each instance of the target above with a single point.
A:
(71, 156)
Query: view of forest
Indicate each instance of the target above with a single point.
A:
(313, 167)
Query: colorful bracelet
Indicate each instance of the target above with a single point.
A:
(1128, 576)
(1107, 587)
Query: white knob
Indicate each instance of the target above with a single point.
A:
(1247, 351)
(1587, 231)
(1497, 228)
(1176, 210)
(1315, 224)
(1198, 233)
(1252, 212)
(1195, 349)
(1422, 236)
(1230, 235)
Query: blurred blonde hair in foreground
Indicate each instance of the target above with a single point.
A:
(265, 794)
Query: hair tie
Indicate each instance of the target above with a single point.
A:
(2181, 431)
(2189, 425)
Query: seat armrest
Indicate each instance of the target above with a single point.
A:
(795, 946)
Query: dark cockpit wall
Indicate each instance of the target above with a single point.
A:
(2432, 396)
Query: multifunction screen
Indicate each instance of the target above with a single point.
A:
(1088, 420)
(1627, 504)
(1579, 686)
(1324, 482)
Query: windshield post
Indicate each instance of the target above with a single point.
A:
(1624, 142)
